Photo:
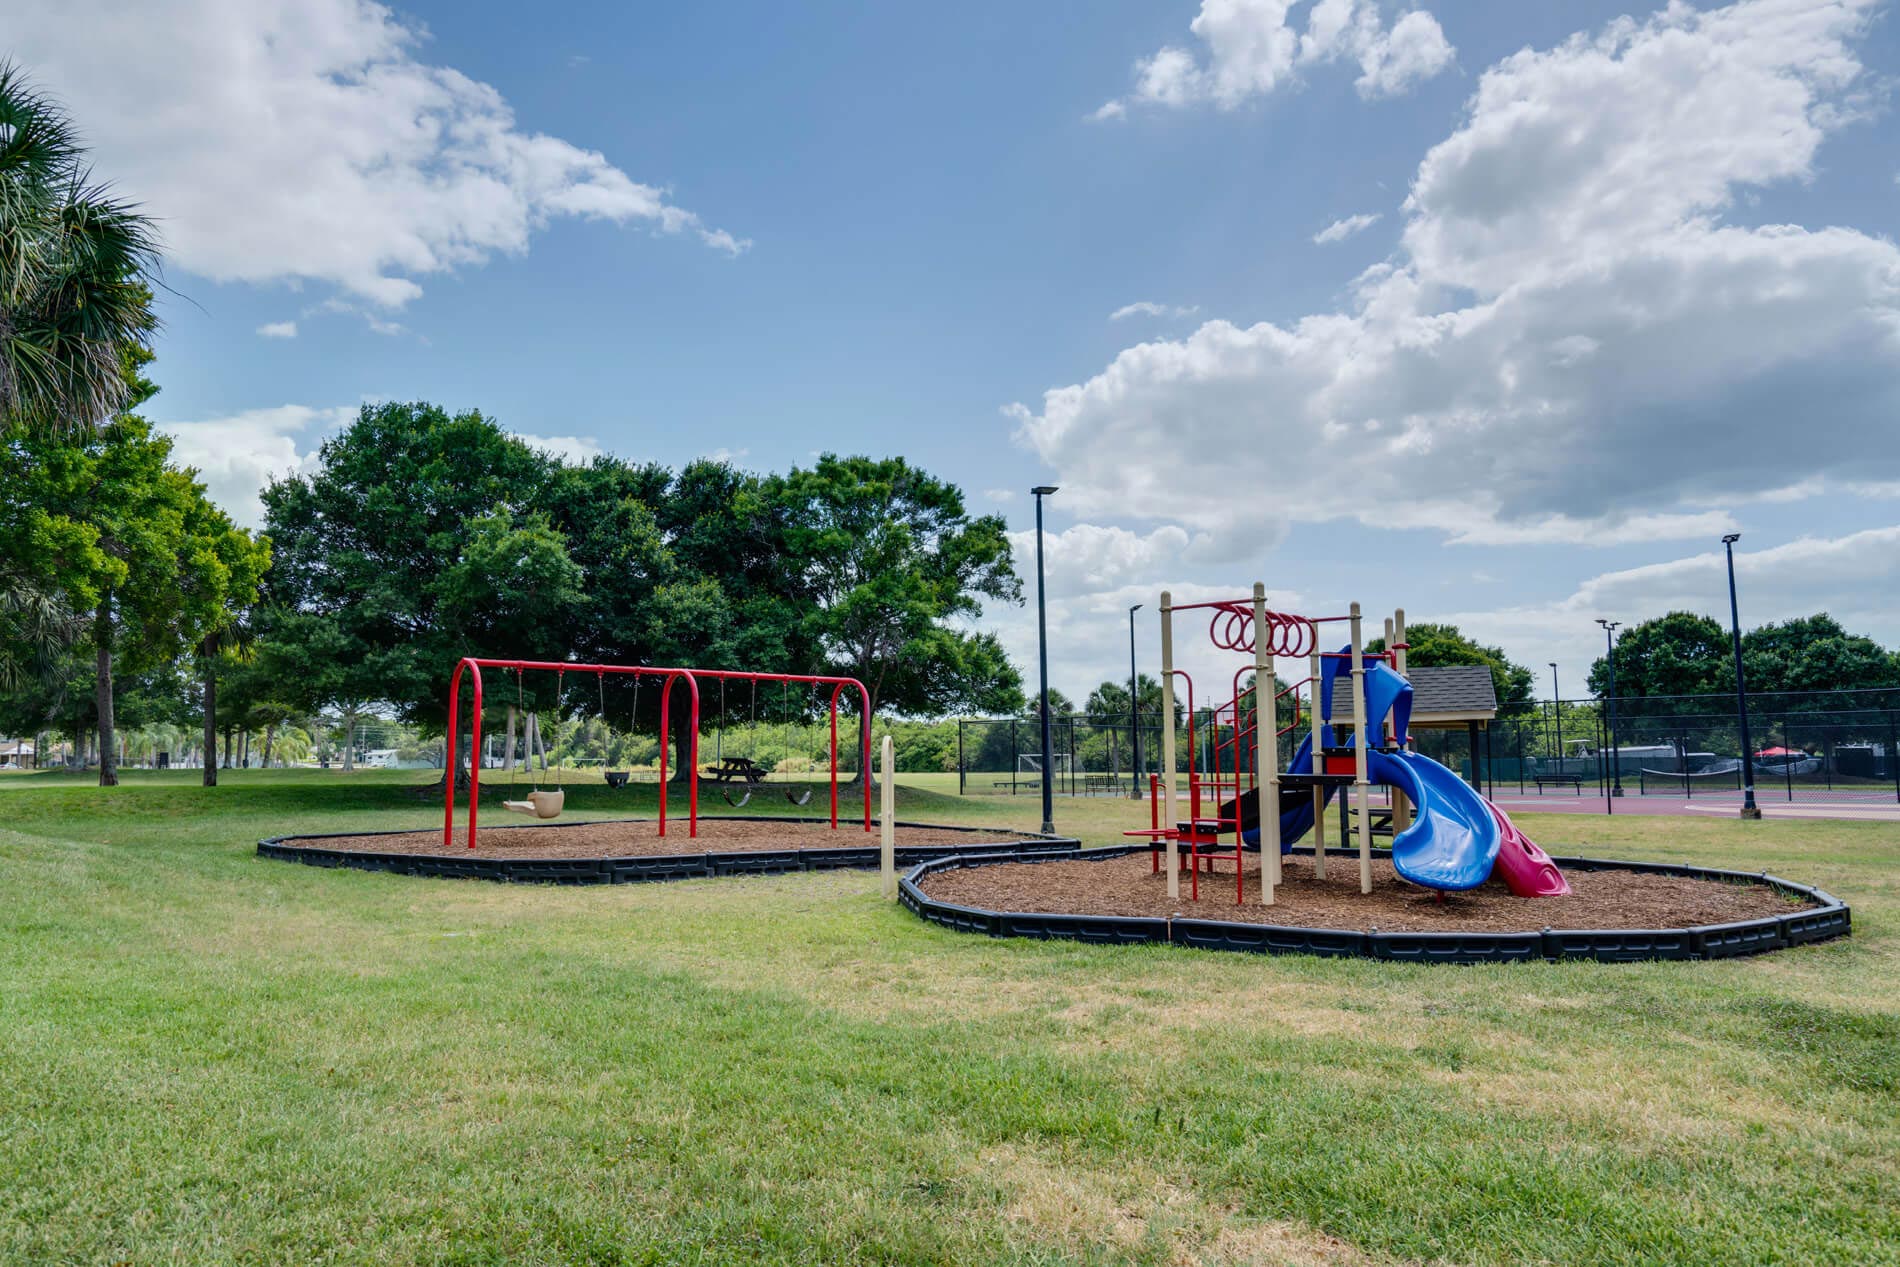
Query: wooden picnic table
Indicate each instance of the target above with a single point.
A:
(730, 768)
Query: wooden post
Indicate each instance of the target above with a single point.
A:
(887, 820)
(1167, 743)
(1266, 749)
(1401, 804)
(1315, 765)
(1361, 750)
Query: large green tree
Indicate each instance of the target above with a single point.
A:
(1678, 653)
(894, 567)
(1813, 653)
(74, 263)
(104, 519)
(1430, 644)
(416, 542)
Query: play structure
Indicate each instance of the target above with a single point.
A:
(1354, 707)
(548, 803)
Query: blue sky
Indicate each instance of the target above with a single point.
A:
(1582, 353)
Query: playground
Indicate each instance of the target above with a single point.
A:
(787, 1065)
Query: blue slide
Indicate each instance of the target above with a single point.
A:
(1454, 838)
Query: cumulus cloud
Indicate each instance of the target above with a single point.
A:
(1571, 344)
(237, 454)
(1147, 308)
(1340, 230)
(278, 329)
(307, 141)
(1252, 48)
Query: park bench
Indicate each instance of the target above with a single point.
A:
(1559, 780)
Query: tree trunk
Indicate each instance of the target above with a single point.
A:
(102, 646)
(226, 759)
(270, 733)
(349, 739)
(244, 750)
(209, 650)
(508, 760)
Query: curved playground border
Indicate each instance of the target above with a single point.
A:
(642, 868)
(1829, 918)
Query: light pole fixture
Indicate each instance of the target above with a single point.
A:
(1042, 643)
(1749, 808)
(1134, 705)
(1616, 757)
(1557, 711)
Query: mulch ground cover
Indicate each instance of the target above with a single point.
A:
(640, 838)
(1127, 886)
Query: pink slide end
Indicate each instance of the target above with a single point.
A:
(1526, 869)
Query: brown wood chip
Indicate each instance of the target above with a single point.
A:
(639, 838)
(1127, 886)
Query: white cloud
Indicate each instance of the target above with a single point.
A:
(1340, 230)
(278, 329)
(1853, 576)
(1253, 49)
(999, 494)
(305, 141)
(1146, 308)
(1570, 344)
(238, 454)
(572, 450)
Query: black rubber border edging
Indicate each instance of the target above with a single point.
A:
(652, 867)
(1829, 918)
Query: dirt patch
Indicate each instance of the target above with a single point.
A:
(632, 838)
(1128, 886)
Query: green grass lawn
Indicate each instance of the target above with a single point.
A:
(207, 1057)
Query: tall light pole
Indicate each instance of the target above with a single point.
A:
(1134, 705)
(1042, 642)
(1749, 808)
(1557, 711)
(1616, 758)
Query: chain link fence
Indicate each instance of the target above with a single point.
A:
(1814, 746)
(1834, 747)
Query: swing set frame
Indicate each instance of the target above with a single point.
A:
(473, 666)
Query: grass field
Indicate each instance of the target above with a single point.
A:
(206, 1057)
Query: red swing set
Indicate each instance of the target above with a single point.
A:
(473, 666)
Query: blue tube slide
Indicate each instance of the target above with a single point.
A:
(1454, 838)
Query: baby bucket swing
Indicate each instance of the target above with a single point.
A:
(615, 778)
(539, 804)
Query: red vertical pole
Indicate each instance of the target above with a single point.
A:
(475, 753)
(448, 749)
(692, 756)
(666, 699)
(864, 755)
(834, 756)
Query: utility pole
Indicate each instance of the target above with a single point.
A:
(1749, 808)
(1042, 642)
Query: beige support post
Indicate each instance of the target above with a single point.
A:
(1316, 764)
(1266, 749)
(1167, 742)
(1401, 804)
(1361, 751)
(887, 820)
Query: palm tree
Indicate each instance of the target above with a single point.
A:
(75, 271)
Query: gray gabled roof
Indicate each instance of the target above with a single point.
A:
(1446, 695)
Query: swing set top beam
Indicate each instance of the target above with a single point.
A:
(473, 665)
